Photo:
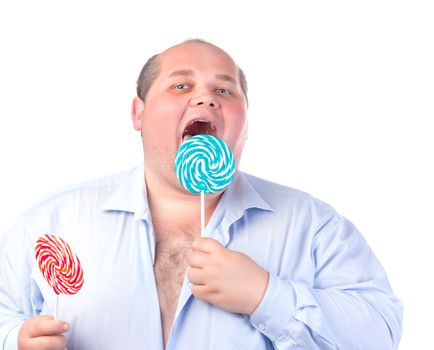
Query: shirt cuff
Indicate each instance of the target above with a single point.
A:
(11, 342)
(273, 316)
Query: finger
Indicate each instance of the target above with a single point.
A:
(203, 292)
(196, 276)
(42, 326)
(197, 259)
(53, 342)
(206, 244)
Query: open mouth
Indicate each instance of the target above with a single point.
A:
(197, 127)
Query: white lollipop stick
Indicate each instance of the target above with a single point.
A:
(202, 213)
(56, 307)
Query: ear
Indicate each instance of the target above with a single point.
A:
(137, 111)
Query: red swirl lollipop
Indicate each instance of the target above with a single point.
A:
(58, 264)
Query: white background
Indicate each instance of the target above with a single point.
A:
(341, 93)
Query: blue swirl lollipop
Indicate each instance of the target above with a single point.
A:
(204, 163)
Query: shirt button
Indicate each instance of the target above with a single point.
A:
(261, 327)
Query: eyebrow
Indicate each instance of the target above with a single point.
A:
(226, 77)
(189, 72)
(182, 72)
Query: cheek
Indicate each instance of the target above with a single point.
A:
(161, 116)
(236, 126)
(237, 122)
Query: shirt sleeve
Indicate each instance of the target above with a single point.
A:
(350, 304)
(15, 281)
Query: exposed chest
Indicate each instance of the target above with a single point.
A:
(171, 261)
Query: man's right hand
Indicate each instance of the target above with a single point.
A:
(42, 333)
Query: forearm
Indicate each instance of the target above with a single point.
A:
(10, 323)
(15, 304)
(293, 315)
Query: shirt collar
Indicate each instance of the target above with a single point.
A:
(130, 196)
(241, 196)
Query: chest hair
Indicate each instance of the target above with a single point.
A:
(171, 251)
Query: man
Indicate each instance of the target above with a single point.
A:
(277, 268)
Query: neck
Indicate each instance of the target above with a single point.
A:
(175, 206)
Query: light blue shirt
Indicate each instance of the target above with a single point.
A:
(326, 288)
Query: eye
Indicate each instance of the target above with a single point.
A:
(181, 86)
(223, 91)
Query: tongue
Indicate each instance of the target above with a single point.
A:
(197, 128)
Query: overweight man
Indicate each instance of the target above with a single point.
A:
(276, 268)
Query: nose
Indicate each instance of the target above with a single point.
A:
(204, 101)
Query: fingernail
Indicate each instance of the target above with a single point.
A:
(65, 327)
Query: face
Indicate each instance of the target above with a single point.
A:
(197, 91)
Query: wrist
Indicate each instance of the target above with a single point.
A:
(259, 290)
